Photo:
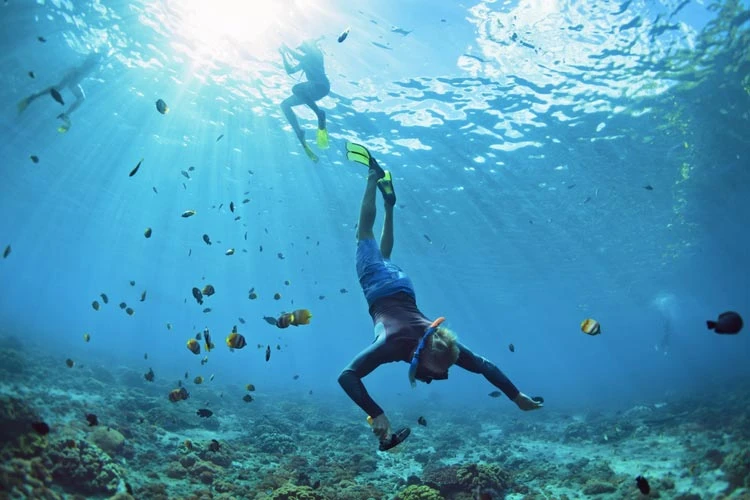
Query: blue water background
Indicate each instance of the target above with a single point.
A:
(520, 177)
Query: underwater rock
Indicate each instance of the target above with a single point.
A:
(13, 364)
(109, 440)
(597, 487)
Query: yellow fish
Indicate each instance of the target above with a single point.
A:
(591, 326)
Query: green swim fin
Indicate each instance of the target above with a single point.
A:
(310, 153)
(23, 104)
(65, 126)
(360, 154)
(322, 138)
(385, 184)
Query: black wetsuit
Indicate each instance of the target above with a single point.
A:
(404, 326)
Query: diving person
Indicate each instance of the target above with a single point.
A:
(72, 81)
(402, 332)
(309, 59)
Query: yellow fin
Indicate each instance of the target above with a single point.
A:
(322, 138)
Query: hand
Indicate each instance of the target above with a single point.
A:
(381, 427)
(526, 403)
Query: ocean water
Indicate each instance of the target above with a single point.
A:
(553, 161)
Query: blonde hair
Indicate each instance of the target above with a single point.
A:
(443, 349)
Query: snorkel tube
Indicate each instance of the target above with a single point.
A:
(415, 359)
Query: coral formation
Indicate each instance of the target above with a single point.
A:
(83, 468)
(736, 467)
(419, 492)
(111, 441)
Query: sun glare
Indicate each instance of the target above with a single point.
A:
(211, 24)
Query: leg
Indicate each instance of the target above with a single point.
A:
(80, 97)
(319, 113)
(386, 239)
(286, 107)
(23, 104)
(367, 211)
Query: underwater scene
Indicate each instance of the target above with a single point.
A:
(350, 249)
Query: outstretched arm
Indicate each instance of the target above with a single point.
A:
(363, 364)
(477, 364)
(290, 70)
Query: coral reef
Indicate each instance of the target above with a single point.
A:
(111, 441)
(736, 467)
(419, 492)
(82, 468)
(468, 478)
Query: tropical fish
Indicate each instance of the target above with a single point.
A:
(198, 295)
(204, 413)
(188, 213)
(219, 138)
(162, 107)
(207, 338)
(193, 346)
(143, 296)
(728, 323)
(276, 296)
(422, 421)
(86, 337)
(56, 96)
(180, 394)
(6, 252)
(135, 169)
(343, 35)
(129, 311)
(149, 375)
(511, 348)
(70, 363)
(95, 305)
(147, 232)
(643, 485)
(208, 290)
(40, 428)
(591, 327)
(495, 394)
(92, 419)
(229, 252)
(247, 398)
(235, 340)
(268, 352)
(271, 320)
(296, 318)
(198, 380)
(34, 158)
